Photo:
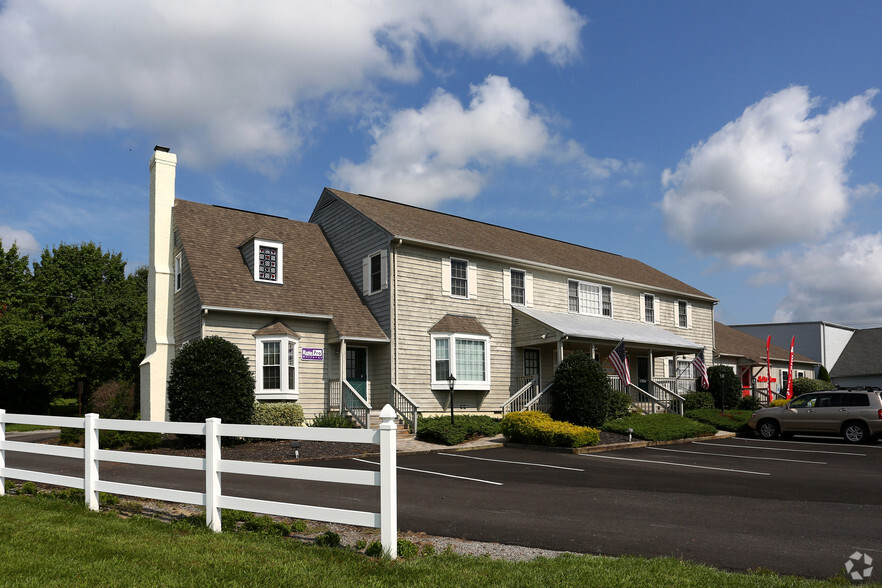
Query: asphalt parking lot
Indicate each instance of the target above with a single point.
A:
(799, 507)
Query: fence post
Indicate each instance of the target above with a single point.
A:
(2, 451)
(212, 474)
(388, 482)
(91, 479)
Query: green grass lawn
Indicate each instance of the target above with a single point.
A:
(728, 420)
(659, 427)
(50, 542)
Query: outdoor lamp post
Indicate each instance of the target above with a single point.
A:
(450, 382)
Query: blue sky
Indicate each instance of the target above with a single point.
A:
(733, 145)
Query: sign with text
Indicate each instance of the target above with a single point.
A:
(312, 354)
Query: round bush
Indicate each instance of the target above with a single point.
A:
(804, 385)
(581, 393)
(748, 403)
(210, 379)
(698, 399)
(725, 386)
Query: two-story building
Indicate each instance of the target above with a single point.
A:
(377, 302)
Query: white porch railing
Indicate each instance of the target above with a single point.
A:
(675, 403)
(213, 498)
(354, 405)
(542, 402)
(681, 385)
(406, 408)
(519, 400)
(335, 395)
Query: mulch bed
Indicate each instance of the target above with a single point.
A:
(276, 451)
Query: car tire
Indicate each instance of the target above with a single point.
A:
(768, 429)
(855, 432)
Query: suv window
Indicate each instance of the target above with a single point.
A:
(804, 401)
(852, 399)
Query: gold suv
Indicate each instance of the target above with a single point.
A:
(854, 413)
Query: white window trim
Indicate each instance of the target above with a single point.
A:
(688, 314)
(602, 287)
(468, 278)
(258, 243)
(179, 271)
(282, 393)
(366, 282)
(460, 384)
(508, 284)
(655, 309)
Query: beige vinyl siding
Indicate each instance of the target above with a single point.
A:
(311, 375)
(420, 304)
(187, 306)
(353, 238)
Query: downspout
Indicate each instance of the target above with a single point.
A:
(393, 286)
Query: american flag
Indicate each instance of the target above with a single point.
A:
(620, 363)
(699, 364)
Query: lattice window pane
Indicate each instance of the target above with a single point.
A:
(267, 263)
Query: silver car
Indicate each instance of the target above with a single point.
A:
(854, 413)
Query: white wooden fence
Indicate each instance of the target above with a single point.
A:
(213, 498)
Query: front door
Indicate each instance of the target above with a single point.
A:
(356, 369)
(531, 365)
(643, 373)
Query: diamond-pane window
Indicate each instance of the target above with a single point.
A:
(268, 263)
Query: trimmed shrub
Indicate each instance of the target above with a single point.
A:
(278, 414)
(750, 403)
(731, 420)
(468, 426)
(537, 428)
(113, 400)
(138, 441)
(581, 393)
(210, 379)
(725, 387)
(332, 420)
(659, 427)
(698, 400)
(70, 436)
(823, 374)
(619, 405)
(805, 385)
(780, 401)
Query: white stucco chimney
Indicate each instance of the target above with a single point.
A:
(160, 350)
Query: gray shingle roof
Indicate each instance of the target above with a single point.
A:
(313, 281)
(735, 343)
(405, 221)
(862, 355)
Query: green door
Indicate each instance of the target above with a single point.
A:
(356, 369)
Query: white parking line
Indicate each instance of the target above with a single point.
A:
(782, 449)
(526, 463)
(682, 465)
(738, 456)
(877, 446)
(433, 473)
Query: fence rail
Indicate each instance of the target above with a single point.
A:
(213, 498)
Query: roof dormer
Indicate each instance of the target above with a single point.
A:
(263, 254)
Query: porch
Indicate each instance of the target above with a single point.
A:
(660, 362)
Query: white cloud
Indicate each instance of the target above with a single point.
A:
(838, 281)
(224, 79)
(773, 177)
(26, 242)
(444, 150)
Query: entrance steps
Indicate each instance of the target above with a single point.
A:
(403, 432)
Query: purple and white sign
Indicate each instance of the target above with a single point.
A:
(312, 354)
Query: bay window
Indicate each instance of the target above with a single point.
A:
(276, 368)
(467, 357)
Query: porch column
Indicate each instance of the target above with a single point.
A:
(559, 352)
(593, 351)
(342, 363)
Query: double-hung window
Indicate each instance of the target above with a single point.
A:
(588, 298)
(649, 310)
(276, 367)
(467, 357)
(179, 271)
(459, 278)
(684, 314)
(518, 286)
(375, 273)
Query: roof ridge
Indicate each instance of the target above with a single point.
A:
(471, 220)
